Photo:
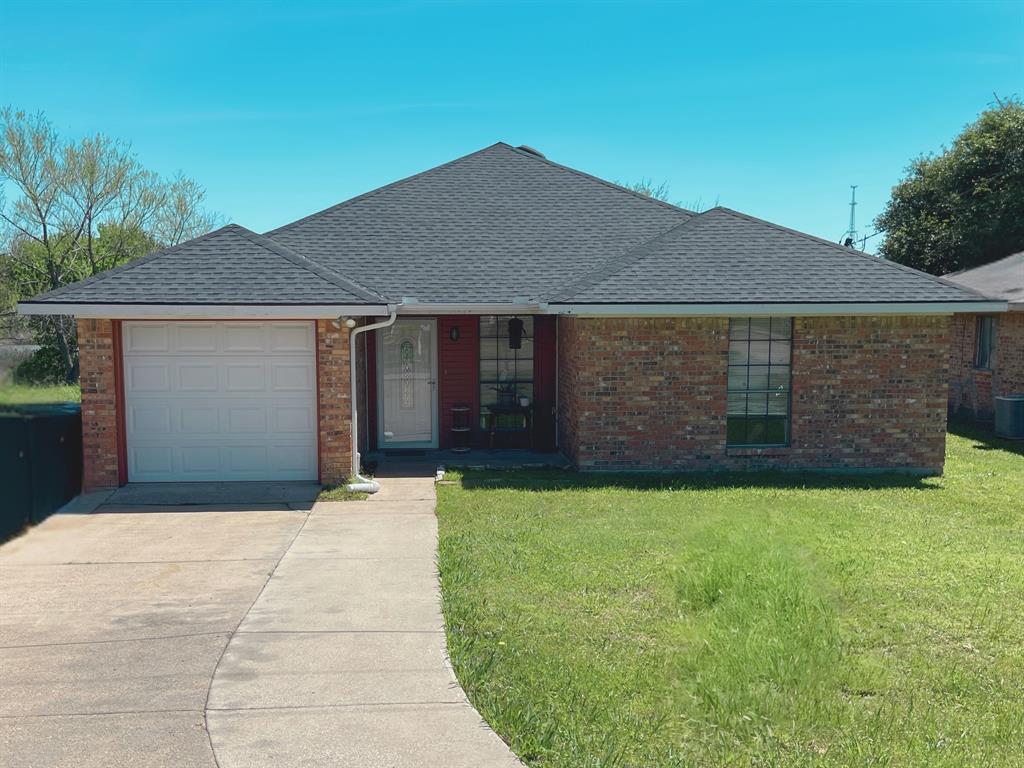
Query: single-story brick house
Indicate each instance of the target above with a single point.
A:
(503, 299)
(987, 351)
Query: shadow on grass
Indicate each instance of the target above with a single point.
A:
(983, 433)
(568, 480)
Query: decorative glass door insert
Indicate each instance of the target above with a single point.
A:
(407, 383)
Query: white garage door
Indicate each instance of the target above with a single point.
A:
(220, 401)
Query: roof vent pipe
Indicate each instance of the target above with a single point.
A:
(532, 151)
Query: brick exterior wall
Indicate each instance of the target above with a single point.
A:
(335, 404)
(97, 352)
(1010, 353)
(646, 393)
(96, 355)
(972, 391)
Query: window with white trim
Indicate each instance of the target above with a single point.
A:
(760, 356)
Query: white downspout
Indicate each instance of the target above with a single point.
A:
(363, 485)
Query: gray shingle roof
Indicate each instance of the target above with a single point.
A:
(1002, 280)
(497, 224)
(722, 256)
(231, 265)
(504, 224)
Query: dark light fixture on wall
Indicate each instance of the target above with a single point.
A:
(453, 333)
(515, 333)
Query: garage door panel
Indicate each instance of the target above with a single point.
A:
(197, 420)
(247, 421)
(297, 420)
(153, 419)
(224, 401)
(291, 377)
(200, 459)
(292, 458)
(151, 460)
(245, 338)
(247, 458)
(245, 377)
(146, 338)
(197, 377)
(148, 377)
(196, 337)
(291, 338)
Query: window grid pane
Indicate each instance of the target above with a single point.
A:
(758, 408)
(506, 374)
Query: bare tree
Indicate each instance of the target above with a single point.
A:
(648, 188)
(80, 208)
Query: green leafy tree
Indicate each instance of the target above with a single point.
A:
(78, 208)
(965, 206)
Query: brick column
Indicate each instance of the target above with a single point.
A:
(96, 355)
(335, 427)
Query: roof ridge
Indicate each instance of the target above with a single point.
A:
(848, 251)
(372, 192)
(503, 144)
(304, 262)
(591, 177)
(121, 268)
(613, 266)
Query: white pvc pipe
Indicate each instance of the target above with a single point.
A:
(363, 484)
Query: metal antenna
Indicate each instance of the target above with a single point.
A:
(851, 233)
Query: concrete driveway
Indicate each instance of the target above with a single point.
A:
(233, 637)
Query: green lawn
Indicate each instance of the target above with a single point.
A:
(340, 493)
(18, 394)
(750, 620)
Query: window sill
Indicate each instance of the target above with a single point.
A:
(754, 451)
(977, 369)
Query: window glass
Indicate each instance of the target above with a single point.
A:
(739, 328)
(737, 377)
(985, 341)
(759, 376)
(758, 409)
(506, 374)
(760, 328)
(759, 351)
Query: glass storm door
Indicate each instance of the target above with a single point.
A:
(407, 383)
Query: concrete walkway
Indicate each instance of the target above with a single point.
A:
(234, 638)
(341, 660)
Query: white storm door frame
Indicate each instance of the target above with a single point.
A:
(382, 442)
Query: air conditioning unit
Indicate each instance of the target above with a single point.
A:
(1010, 417)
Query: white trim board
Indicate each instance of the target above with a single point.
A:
(778, 310)
(314, 311)
(473, 309)
(205, 311)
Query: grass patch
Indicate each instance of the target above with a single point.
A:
(22, 394)
(340, 493)
(743, 620)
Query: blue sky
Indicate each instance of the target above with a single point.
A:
(283, 109)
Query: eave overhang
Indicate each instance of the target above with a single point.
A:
(124, 311)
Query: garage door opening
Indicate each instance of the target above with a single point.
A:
(212, 401)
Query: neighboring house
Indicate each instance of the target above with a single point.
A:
(987, 354)
(530, 305)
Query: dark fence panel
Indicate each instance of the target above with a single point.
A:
(40, 463)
